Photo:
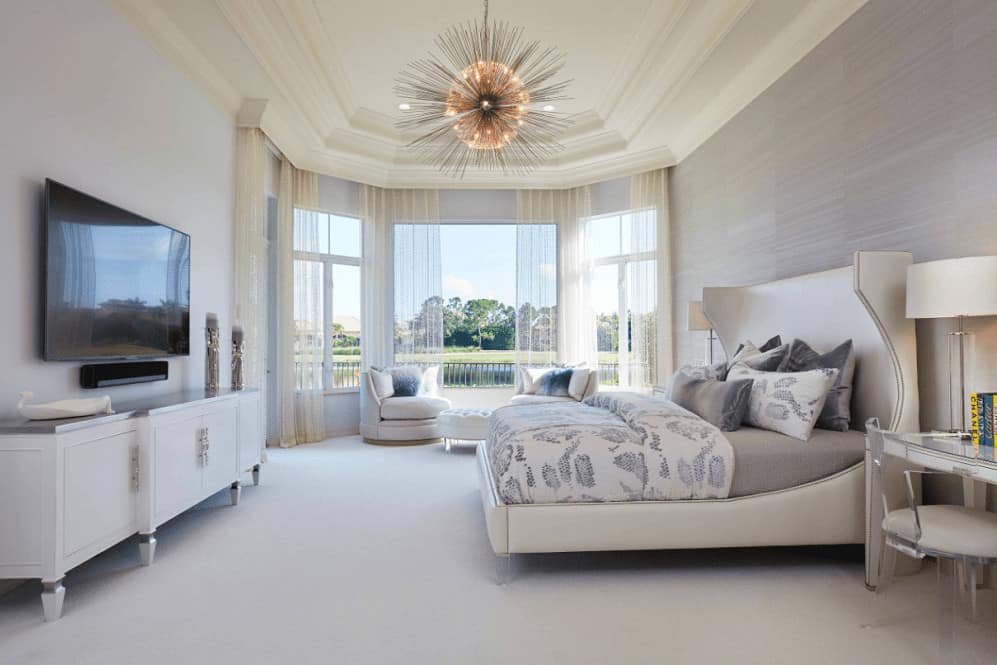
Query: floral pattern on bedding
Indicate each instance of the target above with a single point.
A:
(613, 447)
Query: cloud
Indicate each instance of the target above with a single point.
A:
(458, 285)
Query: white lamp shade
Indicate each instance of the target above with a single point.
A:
(952, 287)
(697, 319)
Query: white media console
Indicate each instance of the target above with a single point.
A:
(70, 489)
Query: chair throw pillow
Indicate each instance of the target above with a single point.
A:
(720, 403)
(382, 381)
(786, 402)
(555, 383)
(407, 380)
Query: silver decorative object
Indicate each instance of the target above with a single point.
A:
(211, 354)
(238, 348)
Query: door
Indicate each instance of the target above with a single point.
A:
(100, 491)
(177, 467)
(222, 427)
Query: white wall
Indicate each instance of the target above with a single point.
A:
(87, 102)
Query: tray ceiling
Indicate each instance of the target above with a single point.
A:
(651, 79)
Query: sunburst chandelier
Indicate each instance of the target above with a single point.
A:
(486, 101)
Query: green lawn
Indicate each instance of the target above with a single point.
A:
(498, 357)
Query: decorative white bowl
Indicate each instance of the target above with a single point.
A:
(67, 408)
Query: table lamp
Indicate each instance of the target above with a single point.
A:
(698, 321)
(954, 288)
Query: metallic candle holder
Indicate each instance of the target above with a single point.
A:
(238, 349)
(211, 354)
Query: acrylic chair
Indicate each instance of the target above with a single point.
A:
(964, 536)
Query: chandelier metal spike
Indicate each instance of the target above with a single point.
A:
(485, 101)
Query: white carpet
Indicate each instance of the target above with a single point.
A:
(350, 553)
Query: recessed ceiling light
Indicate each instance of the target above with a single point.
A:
(550, 107)
(405, 107)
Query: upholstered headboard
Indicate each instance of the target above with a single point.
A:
(864, 302)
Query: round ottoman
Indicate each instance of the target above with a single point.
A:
(463, 425)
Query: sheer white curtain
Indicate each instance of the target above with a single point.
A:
(649, 280)
(300, 310)
(403, 279)
(250, 251)
(553, 271)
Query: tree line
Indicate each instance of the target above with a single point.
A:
(490, 325)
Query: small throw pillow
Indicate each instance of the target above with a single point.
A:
(579, 382)
(407, 381)
(384, 386)
(555, 382)
(836, 414)
(720, 403)
(430, 381)
(772, 343)
(786, 402)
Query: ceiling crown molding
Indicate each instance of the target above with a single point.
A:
(800, 37)
(314, 118)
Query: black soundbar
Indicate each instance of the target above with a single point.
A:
(119, 374)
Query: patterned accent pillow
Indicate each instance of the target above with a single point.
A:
(555, 382)
(720, 403)
(407, 381)
(836, 414)
(786, 402)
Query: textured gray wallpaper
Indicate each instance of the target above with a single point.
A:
(883, 137)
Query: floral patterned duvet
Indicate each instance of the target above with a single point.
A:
(615, 446)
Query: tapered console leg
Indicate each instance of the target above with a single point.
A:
(256, 474)
(53, 593)
(147, 547)
(235, 492)
(503, 569)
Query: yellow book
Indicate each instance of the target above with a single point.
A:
(974, 418)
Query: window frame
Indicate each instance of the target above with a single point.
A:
(328, 286)
(622, 261)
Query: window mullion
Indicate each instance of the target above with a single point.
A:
(327, 332)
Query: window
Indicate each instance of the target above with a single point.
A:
(624, 296)
(327, 250)
(457, 286)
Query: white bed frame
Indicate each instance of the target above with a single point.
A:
(864, 302)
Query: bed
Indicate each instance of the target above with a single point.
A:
(773, 497)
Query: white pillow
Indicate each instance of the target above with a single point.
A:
(384, 385)
(785, 402)
(430, 381)
(579, 381)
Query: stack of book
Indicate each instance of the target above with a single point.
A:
(983, 418)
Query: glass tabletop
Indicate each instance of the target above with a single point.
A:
(946, 443)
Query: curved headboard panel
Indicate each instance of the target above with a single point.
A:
(864, 302)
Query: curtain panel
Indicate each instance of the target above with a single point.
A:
(402, 276)
(301, 330)
(251, 251)
(554, 315)
(649, 282)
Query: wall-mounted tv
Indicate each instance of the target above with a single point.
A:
(117, 285)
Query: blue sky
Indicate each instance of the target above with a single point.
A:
(479, 261)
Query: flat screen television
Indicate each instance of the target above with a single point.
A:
(117, 285)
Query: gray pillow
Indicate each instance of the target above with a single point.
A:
(720, 403)
(772, 343)
(715, 371)
(407, 381)
(836, 414)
